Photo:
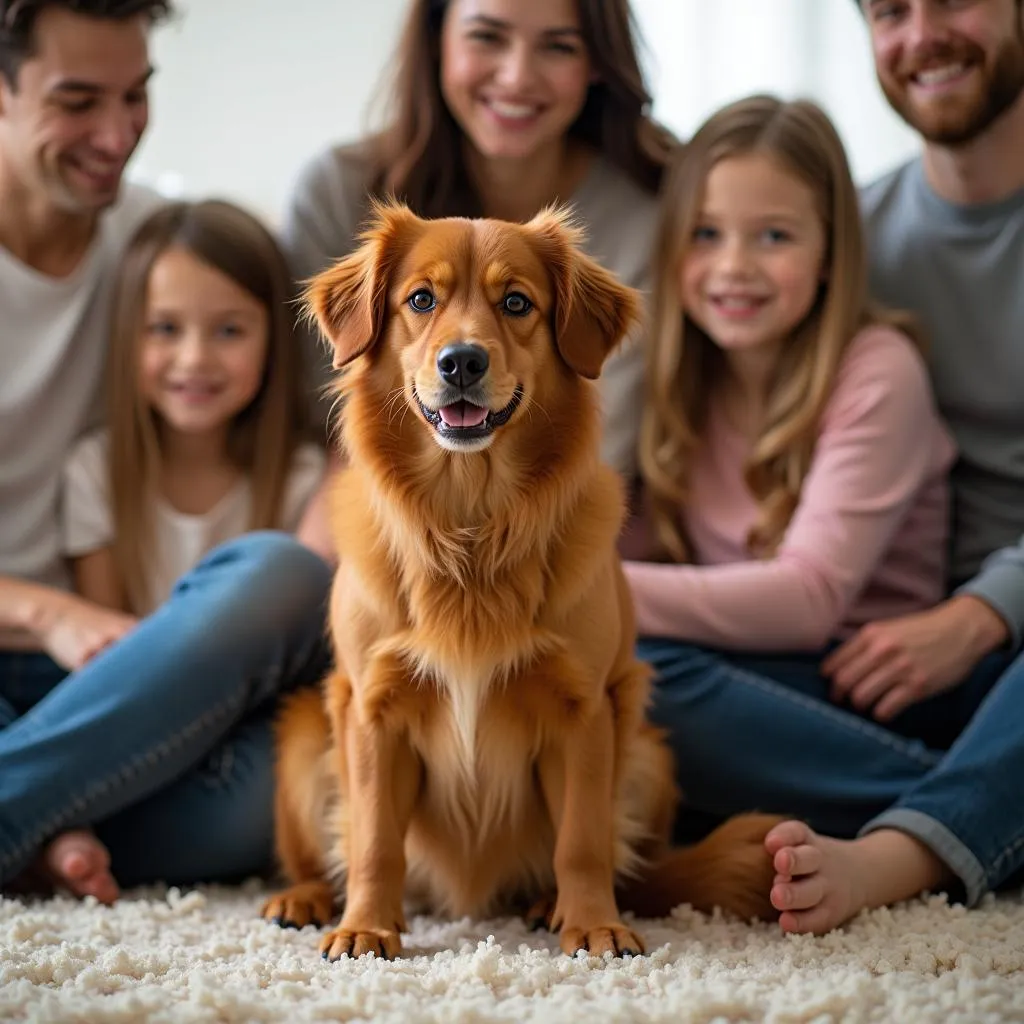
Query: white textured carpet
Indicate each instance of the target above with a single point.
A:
(204, 956)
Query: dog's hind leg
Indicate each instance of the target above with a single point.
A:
(303, 788)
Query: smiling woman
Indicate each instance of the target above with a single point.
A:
(499, 108)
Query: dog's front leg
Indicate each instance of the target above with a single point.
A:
(578, 784)
(382, 774)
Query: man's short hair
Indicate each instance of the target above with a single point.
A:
(18, 21)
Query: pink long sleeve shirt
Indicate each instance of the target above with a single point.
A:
(868, 539)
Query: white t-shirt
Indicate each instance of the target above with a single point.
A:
(53, 344)
(180, 539)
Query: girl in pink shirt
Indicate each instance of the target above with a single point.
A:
(794, 487)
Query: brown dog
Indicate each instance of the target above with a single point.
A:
(482, 740)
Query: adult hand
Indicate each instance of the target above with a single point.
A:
(891, 664)
(75, 630)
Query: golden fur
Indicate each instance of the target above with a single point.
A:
(482, 740)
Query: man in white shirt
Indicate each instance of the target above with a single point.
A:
(78, 749)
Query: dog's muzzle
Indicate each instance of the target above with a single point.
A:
(462, 414)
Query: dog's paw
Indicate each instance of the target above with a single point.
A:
(341, 942)
(306, 903)
(615, 938)
(540, 914)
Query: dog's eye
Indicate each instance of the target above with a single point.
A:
(516, 304)
(422, 300)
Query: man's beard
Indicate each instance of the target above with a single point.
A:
(965, 121)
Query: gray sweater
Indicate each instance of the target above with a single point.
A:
(961, 269)
(329, 203)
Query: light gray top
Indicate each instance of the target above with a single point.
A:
(961, 269)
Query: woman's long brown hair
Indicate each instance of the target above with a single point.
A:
(263, 437)
(419, 156)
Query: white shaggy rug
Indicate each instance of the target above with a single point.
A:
(203, 956)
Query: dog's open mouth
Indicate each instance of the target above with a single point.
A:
(463, 421)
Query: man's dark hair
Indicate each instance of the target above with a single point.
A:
(18, 21)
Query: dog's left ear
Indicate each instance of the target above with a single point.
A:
(348, 301)
(594, 310)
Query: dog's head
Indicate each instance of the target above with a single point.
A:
(471, 319)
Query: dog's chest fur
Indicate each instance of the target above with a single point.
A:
(480, 784)
(468, 611)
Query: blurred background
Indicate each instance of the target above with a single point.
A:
(248, 90)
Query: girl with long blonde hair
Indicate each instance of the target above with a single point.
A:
(793, 479)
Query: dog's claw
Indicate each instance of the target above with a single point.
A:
(616, 939)
(303, 904)
(346, 942)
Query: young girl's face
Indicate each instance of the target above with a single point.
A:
(203, 346)
(756, 260)
(514, 73)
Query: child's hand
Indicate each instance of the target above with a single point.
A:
(77, 630)
(891, 664)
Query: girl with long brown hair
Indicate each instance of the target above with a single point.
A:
(794, 487)
(497, 108)
(205, 414)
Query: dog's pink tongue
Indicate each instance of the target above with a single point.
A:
(463, 414)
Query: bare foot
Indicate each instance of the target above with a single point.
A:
(79, 861)
(820, 882)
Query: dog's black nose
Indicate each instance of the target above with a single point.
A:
(462, 365)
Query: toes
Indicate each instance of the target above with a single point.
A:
(787, 833)
(616, 939)
(803, 894)
(79, 861)
(798, 860)
(819, 921)
(73, 864)
(302, 904)
(345, 943)
(76, 855)
(102, 886)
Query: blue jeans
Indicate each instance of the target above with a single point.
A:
(759, 732)
(163, 743)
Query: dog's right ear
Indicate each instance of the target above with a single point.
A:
(348, 301)
(594, 310)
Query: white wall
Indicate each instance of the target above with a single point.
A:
(247, 90)
(705, 53)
